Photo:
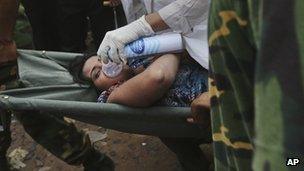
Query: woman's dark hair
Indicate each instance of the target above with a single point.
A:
(75, 68)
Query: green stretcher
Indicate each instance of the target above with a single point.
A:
(50, 88)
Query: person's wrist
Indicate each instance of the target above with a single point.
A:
(147, 29)
(8, 50)
(5, 42)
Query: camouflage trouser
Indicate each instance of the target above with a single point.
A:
(55, 134)
(256, 83)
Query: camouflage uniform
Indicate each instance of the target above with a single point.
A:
(279, 87)
(256, 58)
(55, 134)
(58, 136)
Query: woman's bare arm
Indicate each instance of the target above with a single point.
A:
(149, 86)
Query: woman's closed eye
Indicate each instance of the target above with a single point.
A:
(95, 73)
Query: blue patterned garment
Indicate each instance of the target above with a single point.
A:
(191, 80)
(137, 62)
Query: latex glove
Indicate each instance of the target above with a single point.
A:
(113, 44)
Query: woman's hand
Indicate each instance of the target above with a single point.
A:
(200, 110)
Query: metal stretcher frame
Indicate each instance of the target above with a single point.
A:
(77, 101)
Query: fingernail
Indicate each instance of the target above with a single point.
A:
(105, 60)
(191, 120)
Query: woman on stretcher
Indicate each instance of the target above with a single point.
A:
(167, 80)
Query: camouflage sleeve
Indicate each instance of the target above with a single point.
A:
(232, 56)
(57, 135)
(256, 84)
(279, 87)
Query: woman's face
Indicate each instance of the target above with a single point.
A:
(92, 70)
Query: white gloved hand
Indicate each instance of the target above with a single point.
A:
(113, 44)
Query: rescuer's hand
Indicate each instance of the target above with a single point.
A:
(8, 52)
(114, 41)
(200, 109)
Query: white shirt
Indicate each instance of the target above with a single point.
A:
(188, 17)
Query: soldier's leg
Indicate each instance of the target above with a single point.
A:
(52, 132)
(43, 18)
(8, 80)
(5, 138)
(188, 152)
(73, 24)
(63, 140)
